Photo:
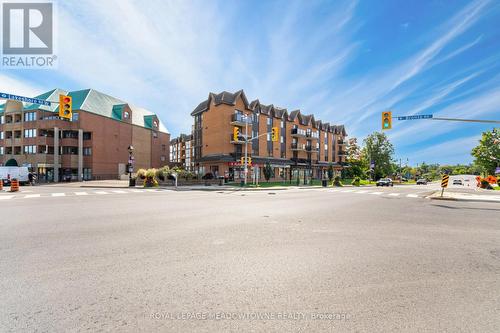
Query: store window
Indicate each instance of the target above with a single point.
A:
(87, 151)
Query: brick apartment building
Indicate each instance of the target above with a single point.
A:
(305, 150)
(181, 152)
(94, 145)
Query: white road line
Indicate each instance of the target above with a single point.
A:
(5, 197)
(81, 193)
(394, 194)
(362, 192)
(347, 191)
(32, 196)
(412, 196)
(118, 191)
(334, 190)
(100, 192)
(58, 194)
(377, 193)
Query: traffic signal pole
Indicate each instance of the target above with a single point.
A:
(247, 140)
(246, 149)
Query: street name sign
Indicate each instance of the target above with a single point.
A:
(24, 99)
(422, 116)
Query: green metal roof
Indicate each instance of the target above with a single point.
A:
(96, 102)
(118, 111)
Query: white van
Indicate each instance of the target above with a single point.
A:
(8, 172)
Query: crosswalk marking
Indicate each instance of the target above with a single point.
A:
(377, 193)
(119, 192)
(58, 194)
(5, 197)
(100, 192)
(412, 196)
(362, 192)
(32, 196)
(394, 194)
(81, 193)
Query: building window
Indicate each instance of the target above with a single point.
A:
(269, 121)
(1, 135)
(162, 158)
(30, 116)
(87, 136)
(268, 137)
(69, 150)
(163, 147)
(126, 115)
(87, 151)
(30, 149)
(2, 119)
(1, 150)
(30, 133)
(155, 134)
(282, 139)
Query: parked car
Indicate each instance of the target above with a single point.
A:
(385, 182)
(457, 182)
(422, 181)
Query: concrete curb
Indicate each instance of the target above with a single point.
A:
(437, 196)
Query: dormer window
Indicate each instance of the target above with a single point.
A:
(126, 115)
(155, 123)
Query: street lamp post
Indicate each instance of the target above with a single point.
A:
(130, 166)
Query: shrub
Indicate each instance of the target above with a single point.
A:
(336, 181)
(208, 176)
(356, 181)
(141, 173)
(160, 174)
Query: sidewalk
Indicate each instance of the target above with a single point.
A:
(460, 196)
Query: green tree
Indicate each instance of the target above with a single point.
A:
(487, 153)
(357, 166)
(380, 150)
(268, 171)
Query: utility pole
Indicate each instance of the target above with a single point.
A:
(246, 148)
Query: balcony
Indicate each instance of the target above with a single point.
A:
(314, 136)
(295, 146)
(240, 120)
(240, 141)
(341, 142)
(297, 132)
(311, 149)
(342, 153)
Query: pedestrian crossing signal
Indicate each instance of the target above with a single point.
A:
(65, 107)
(386, 120)
(275, 133)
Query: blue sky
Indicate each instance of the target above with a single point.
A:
(345, 62)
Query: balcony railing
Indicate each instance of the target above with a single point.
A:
(298, 132)
(241, 139)
(312, 149)
(239, 119)
(342, 153)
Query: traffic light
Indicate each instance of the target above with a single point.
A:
(65, 107)
(236, 133)
(386, 120)
(249, 160)
(275, 133)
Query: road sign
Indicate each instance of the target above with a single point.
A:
(497, 170)
(444, 181)
(24, 99)
(422, 116)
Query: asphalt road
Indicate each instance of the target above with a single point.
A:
(375, 260)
